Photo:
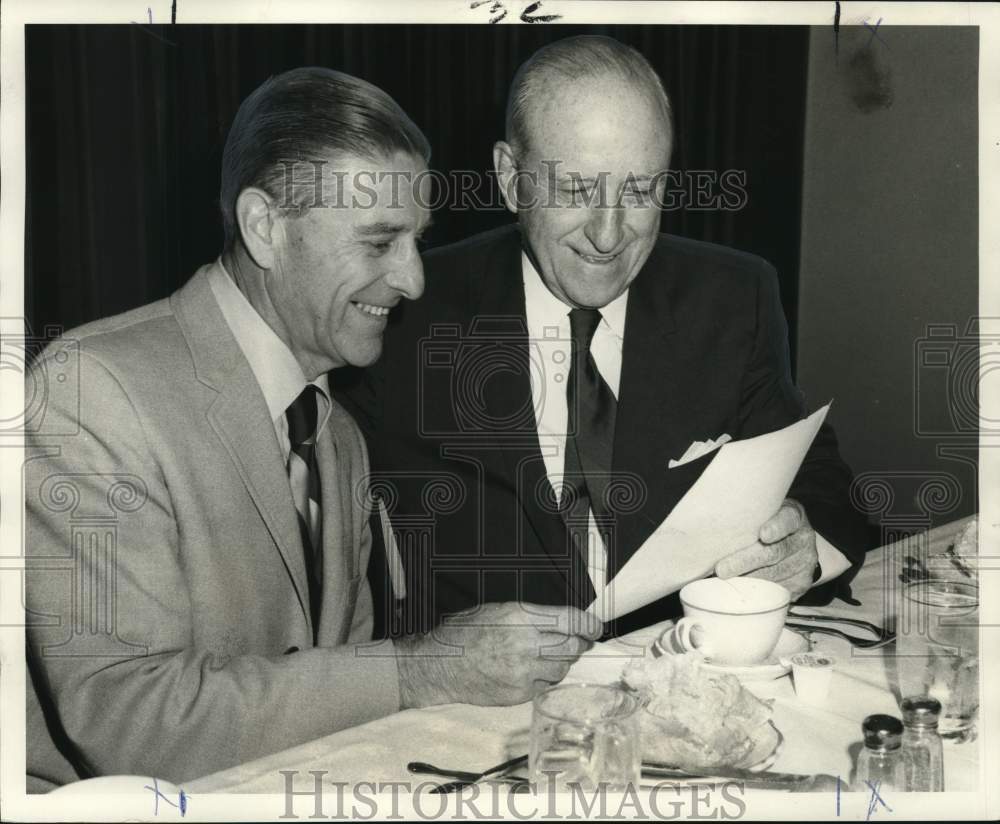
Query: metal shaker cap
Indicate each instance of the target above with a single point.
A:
(882, 732)
(920, 711)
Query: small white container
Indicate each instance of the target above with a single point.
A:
(811, 673)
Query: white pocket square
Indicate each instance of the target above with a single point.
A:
(697, 449)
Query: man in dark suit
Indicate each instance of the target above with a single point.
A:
(553, 369)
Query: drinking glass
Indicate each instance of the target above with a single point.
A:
(937, 651)
(585, 735)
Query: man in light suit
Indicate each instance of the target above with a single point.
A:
(556, 367)
(197, 509)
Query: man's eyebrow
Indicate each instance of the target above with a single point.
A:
(385, 228)
(632, 179)
(380, 228)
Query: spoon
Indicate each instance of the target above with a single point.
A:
(423, 768)
(465, 779)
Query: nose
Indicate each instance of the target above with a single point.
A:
(407, 276)
(604, 228)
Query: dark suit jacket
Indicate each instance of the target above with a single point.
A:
(451, 427)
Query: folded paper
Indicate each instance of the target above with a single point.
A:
(722, 512)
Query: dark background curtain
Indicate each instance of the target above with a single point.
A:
(125, 128)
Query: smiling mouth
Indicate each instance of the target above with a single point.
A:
(372, 309)
(597, 259)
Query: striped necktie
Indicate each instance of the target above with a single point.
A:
(303, 475)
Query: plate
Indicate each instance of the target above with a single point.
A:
(118, 784)
(767, 745)
(790, 643)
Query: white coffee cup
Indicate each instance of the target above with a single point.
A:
(732, 621)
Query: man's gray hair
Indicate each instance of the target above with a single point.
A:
(574, 58)
(308, 115)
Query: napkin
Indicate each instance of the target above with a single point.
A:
(697, 449)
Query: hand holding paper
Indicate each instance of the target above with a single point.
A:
(785, 552)
(722, 512)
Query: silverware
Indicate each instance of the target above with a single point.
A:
(471, 778)
(423, 768)
(764, 779)
(517, 783)
(836, 619)
(817, 623)
(956, 561)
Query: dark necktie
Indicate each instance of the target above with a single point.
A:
(590, 429)
(303, 476)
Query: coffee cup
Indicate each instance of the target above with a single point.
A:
(732, 621)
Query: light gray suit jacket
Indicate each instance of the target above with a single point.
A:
(169, 631)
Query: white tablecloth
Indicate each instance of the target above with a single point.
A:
(466, 737)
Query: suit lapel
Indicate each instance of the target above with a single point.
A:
(499, 293)
(648, 407)
(238, 410)
(339, 547)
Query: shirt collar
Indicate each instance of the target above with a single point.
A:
(543, 309)
(278, 373)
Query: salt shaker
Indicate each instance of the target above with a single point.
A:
(923, 759)
(880, 758)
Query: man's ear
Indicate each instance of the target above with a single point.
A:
(255, 219)
(506, 169)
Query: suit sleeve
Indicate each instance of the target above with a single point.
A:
(770, 401)
(116, 655)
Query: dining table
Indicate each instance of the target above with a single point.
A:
(822, 738)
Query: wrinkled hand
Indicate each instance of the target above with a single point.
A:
(786, 553)
(497, 655)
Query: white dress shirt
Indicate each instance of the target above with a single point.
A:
(549, 332)
(278, 373)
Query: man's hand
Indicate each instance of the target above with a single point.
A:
(497, 655)
(786, 553)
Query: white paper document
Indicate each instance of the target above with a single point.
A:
(722, 512)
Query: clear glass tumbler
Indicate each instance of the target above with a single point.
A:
(937, 651)
(585, 735)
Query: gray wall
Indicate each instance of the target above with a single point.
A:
(889, 248)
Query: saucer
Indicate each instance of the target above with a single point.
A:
(790, 643)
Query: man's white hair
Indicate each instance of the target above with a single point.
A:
(576, 59)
